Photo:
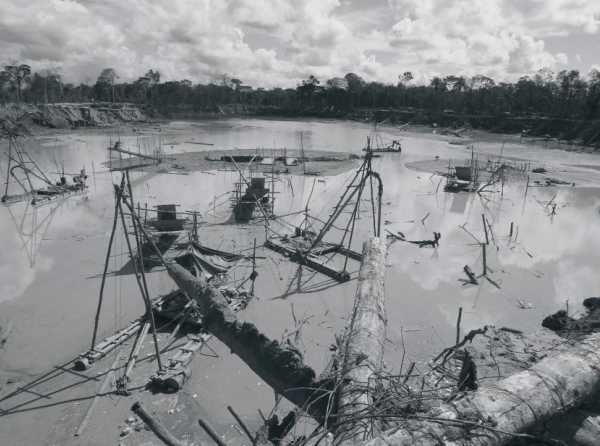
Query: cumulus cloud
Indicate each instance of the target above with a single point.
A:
(202, 39)
(497, 37)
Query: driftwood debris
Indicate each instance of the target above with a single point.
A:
(564, 324)
(434, 243)
(494, 415)
(471, 275)
(363, 345)
(280, 367)
(156, 426)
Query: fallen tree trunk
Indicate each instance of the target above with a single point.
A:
(363, 346)
(493, 415)
(280, 367)
(589, 432)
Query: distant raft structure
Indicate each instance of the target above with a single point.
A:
(134, 159)
(31, 180)
(393, 147)
(256, 195)
(463, 178)
(308, 248)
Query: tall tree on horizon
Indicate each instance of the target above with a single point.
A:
(106, 82)
(16, 75)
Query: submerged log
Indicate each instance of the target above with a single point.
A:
(493, 415)
(363, 344)
(280, 367)
(155, 425)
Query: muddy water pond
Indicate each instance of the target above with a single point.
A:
(52, 256)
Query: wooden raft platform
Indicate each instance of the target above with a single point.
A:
(313, 260)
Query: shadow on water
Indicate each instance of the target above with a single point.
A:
(551, 259)
(308, 286)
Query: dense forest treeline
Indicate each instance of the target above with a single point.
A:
(563, 96)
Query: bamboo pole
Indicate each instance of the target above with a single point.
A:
(135, 352)
(458, 320)
(253, 275)
(140, 258)
(242, 424)
(118, 191)
(484, 259)
(103, 388)
(487, 240)
(136, 273)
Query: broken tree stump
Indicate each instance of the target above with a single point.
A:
(364, 340)
(280, 367)
(492, 416)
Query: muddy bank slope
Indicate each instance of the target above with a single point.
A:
(70, 115)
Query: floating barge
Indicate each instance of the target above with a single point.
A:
(23, 170)
(394, 147)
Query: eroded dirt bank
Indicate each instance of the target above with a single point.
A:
(70, 115)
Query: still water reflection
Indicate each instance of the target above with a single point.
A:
(50, 262)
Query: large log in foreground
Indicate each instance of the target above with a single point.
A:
(280, 367)
(363, 346)
(493, 415)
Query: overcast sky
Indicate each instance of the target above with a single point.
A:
(279, 42)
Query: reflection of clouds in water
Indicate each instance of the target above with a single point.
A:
(575, 281)
(24, 235)
(411, 196)
(16, 274)
(573, 232)
(562, 249)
